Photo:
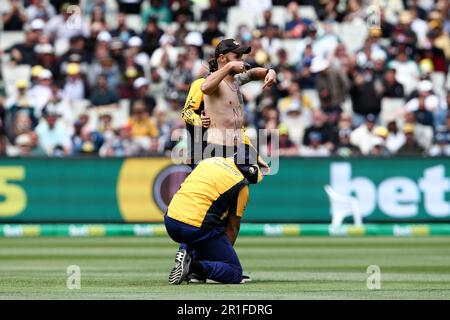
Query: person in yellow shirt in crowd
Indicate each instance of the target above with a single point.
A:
(143, 129)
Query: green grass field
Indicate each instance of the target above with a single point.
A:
(281, 268)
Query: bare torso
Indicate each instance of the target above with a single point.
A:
(225, 107)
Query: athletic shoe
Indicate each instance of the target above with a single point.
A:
(181, 269)
(246, 278)
(195, 278)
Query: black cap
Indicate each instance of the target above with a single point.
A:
(231, 45)
(245, 159)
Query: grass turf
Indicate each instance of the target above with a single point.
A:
(281, 268)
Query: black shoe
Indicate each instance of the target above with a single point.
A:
(196, 278)
(181, 269)
(246, 278)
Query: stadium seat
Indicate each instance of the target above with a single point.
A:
(10, 38)
(111, 6)
(294, 49)
(438, 80)
(347, 106)
(252, 90)
(236, 17)
(307, 12)
(11, 74)
(352, 34)
(343, 206)
(134, 22)
(4, 6)
(447, 85)
(79, 107)
(390, 109)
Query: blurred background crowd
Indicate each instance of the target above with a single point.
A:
(109, 77)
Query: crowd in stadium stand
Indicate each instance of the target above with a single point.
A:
(97, 83)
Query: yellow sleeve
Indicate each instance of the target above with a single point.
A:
(193, 101)
(245, 138)
(242, 201)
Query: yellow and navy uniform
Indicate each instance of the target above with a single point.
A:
(192, 109)
(214, 190)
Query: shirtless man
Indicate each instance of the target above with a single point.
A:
(223, 101)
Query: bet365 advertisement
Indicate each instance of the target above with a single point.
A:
(139, 190)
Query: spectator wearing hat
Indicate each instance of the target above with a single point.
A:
(143, 128)
(53, 135)
(122, 32)
(141, 93)
(344, 148)
(411, 147)
(437, 36)
(159, 10)
(19, 103)
(294, 98)
(363, 135)
(15, 18)
(315, 147)
(297, 118)
(194, 62)
(47, 59)
(88, 142)
(117, 52)
(75, 86)
(426, 104)
(126, 89)
(286, 146)
(41, 92)
(28, 145)
(166, 55)
(140, 57)
(331, 84)
(396, 138)
(379, 148)
(59, 104)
